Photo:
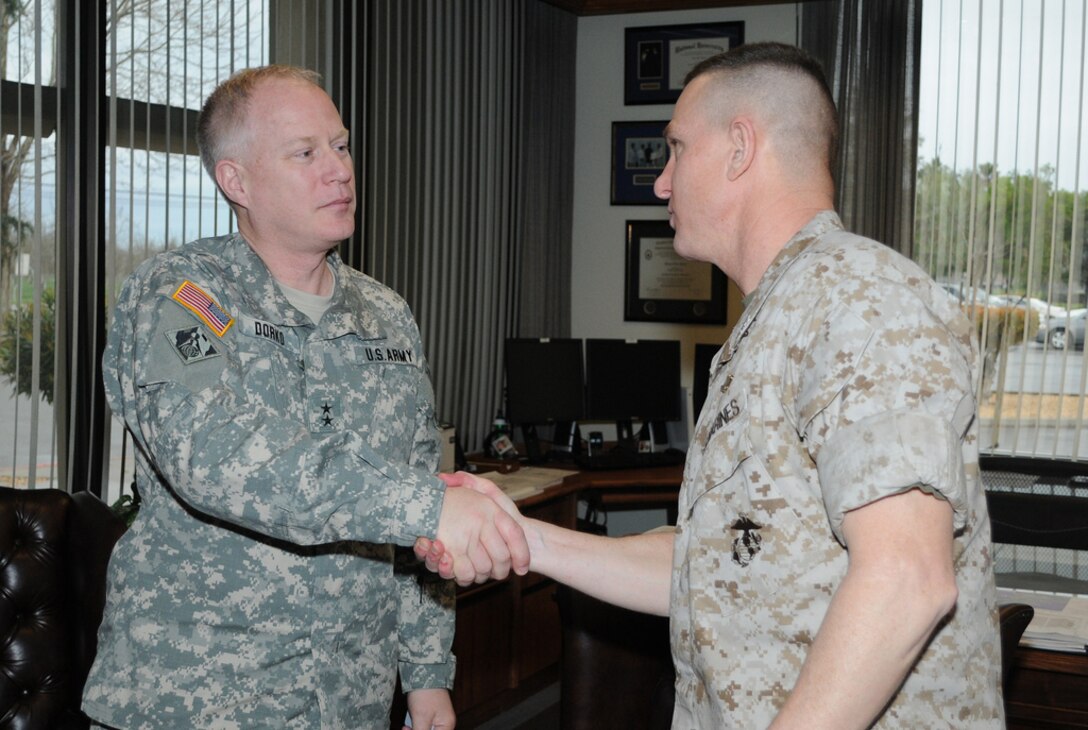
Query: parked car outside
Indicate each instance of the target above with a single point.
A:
(1043, 310)
(1065, 330)
(972, 295)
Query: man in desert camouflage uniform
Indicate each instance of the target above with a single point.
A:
(830, 567)
(286, 446)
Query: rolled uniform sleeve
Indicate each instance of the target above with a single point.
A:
(886, 400)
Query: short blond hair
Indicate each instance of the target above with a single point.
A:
(787, 82)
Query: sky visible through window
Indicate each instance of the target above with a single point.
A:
(1003, 82)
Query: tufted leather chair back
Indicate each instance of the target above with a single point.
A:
(54, 550)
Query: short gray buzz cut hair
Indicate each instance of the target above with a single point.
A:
(222, 118)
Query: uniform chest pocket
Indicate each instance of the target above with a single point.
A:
(265, 381)
(745, 537)
(378, 393)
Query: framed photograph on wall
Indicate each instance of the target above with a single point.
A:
(657, 58)
(660, 286)
(639, 154)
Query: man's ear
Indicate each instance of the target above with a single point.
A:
(743, 136)
(231, 178)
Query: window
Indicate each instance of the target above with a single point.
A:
(163, 58)
(1000, 208)
(144, 189)
(28, 242)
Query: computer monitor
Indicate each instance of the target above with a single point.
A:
(704, 356)
(632, 380)
(544, 385)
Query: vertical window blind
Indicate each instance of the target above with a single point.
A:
(449, 216)
(1000, 206)
(28, 235)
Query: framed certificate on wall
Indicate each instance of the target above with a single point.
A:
(660, 286)
(658, 58)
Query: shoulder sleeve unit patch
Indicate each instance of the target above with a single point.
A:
(191, 344)
(197, 301)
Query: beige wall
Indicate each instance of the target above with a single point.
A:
(599, 228)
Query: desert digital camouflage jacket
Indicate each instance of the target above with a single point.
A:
(280, 465)
(848, 378)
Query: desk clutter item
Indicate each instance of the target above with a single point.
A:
(527, 481)
(1060, 622)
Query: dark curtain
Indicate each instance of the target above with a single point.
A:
(468, 184)
(869, 49)
(547, 172)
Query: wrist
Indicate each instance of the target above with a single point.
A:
(540, 537)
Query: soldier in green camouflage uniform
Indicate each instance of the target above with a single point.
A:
(830, 567)
(285, 451)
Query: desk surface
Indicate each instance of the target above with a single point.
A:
(657, 481)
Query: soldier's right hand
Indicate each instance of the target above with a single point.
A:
(482, 539)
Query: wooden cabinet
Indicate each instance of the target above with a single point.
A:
(1048, 690)
(508, 634)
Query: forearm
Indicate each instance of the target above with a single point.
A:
(268, 474)
(632, 572)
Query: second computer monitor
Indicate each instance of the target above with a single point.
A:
(544, 385)
(635, 380)
(543, 380)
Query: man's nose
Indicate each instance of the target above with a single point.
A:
(340, 169)
(663, 183)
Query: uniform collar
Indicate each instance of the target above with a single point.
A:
(348, 312)
(820, 224)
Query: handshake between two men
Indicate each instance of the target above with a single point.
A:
(632, 571)
(479, 538)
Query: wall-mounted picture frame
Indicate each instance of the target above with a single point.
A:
(639, 154)
(660, 286)
(658, 58)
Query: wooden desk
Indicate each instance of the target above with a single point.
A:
(508, 636)
(1048, 690)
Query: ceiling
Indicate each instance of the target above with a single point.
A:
(605, 7)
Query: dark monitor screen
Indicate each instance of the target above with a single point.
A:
(704, 355)
(633, 379)
(543, 380)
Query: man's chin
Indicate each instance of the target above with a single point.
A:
(340, 230)
(680, 246)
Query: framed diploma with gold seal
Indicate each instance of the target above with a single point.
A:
(661, 286)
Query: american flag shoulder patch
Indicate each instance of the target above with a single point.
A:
(207, 310)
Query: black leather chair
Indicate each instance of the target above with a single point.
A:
(1015, 618)
(54, 550)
